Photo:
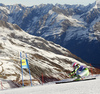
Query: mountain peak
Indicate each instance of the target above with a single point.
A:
(2, 5)
(98, 3)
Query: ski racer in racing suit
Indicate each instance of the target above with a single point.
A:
(79, 71)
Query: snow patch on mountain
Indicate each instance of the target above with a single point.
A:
(44, 56)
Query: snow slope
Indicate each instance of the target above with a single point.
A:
(85, 87)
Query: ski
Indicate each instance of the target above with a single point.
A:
(75, 80)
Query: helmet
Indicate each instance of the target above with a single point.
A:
(74, 64)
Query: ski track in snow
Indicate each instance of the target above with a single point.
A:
(83, 87)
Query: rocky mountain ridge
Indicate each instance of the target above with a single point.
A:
(45, 58)
(75, 27)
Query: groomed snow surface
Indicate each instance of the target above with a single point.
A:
(82, 87)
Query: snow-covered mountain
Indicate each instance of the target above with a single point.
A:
(75, 27)
(45, 57)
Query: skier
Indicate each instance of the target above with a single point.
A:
(79, 71)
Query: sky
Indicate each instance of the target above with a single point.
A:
(37, 2)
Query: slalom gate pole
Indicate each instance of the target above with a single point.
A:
(1, 85)
(21, 69)
(29, 70)
(22, 78)
(91, 70)
(42, 79)
(30, 77)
